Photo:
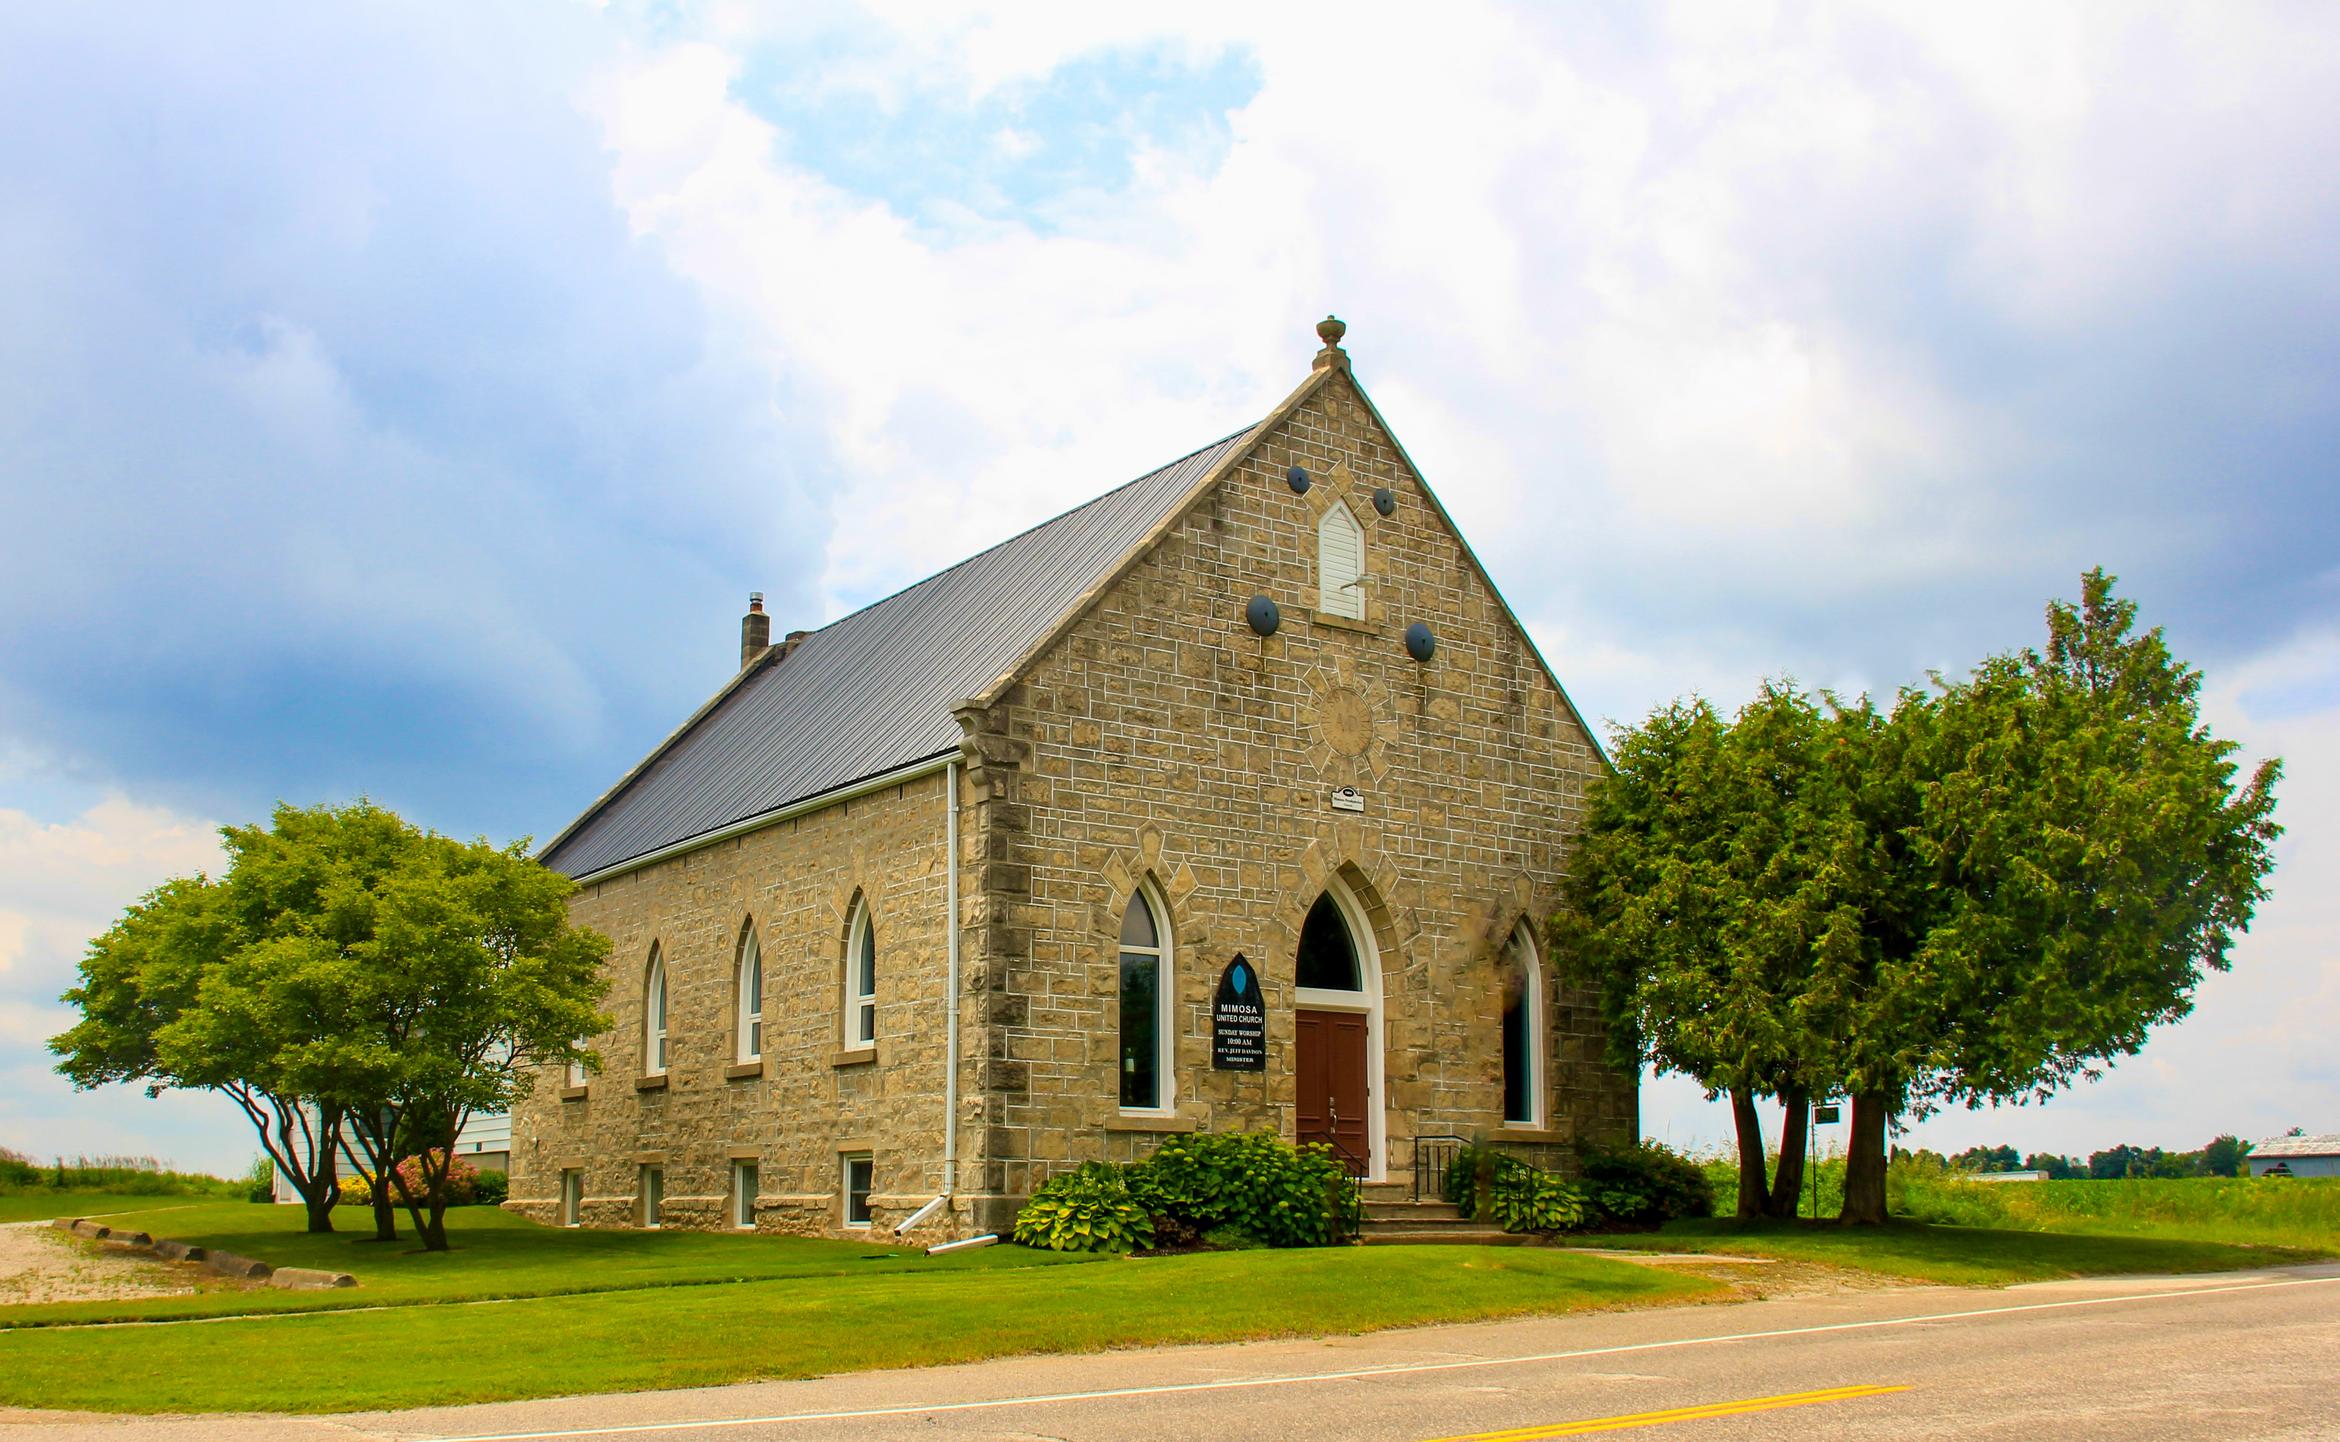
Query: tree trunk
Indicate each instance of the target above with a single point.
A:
(319, 1199)
(385, 1211)
(434, 1237)
(1864, 1163)
(1750, 1124)
(1795, 1132)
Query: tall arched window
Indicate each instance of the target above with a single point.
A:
(654, 1016)
(1523, 1030)
(1146, 1047)
(861, 979)
(748, 1038)
(1340, 564)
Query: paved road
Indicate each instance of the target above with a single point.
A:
(2237, 1356)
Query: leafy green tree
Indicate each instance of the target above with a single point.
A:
(2058, 1168)
(1706, 879)
(473, 981)
(1987, 1159)
(2226, 1157)
(1979, 893)
(298, 983)
(2056, 850)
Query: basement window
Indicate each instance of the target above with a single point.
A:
(745, 1178)
(858, 1170)
(653, 1195)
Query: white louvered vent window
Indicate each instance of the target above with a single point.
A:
(1340, 564)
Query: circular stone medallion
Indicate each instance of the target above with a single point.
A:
(1346, 720)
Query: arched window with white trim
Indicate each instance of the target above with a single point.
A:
(1340, 564)
(1146, 1047)
(654, 1016)
(861, 978)
(1523, 1031)
(748, 1028)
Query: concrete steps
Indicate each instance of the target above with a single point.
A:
(1392, 1221)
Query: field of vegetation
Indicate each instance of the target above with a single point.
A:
(2299, 1212)
(28, 1186)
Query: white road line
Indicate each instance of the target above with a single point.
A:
(1362, 1373)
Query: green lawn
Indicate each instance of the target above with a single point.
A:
(1965, 1256)
(888, 1316)
(40, 1204)
(495, 1255)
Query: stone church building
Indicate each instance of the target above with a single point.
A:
(1230, 800)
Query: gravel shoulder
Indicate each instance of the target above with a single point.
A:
(38, 1263)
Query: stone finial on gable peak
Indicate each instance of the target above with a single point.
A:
(1330, 330)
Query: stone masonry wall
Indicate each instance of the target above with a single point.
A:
(809, 1101)
(1162, 739)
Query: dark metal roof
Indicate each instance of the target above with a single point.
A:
(872, 692)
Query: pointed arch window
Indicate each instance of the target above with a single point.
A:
(861, 979)
(654, 1016)
(1328, 957)
(1523, 1031)
(748, 1038)
(1340, 564)
(1146, 1047)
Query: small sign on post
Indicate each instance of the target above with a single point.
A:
(1238, 1020)
(1826, 1116)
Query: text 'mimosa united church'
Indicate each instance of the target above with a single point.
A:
(1230, 800)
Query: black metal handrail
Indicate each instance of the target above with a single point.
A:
(1432, 1156)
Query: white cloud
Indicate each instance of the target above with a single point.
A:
(62, 883)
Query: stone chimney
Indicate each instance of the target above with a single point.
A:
(755, 631)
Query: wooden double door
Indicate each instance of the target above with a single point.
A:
(1331, 1102)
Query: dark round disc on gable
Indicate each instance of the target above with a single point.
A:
(1298, 476)
(1419, 642)
(1263, 615)
(1385, 500)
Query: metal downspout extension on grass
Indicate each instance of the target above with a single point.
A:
(950, 1177)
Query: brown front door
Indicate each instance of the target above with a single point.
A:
(1329, 1089)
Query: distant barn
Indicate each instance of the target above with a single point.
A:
(2316, 1156)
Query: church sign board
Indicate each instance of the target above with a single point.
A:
(1238, 1020)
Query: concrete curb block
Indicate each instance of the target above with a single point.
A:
(309, 1279)
(225, 1263)
(229, 1264)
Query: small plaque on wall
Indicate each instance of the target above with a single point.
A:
(1348, 798)
(1238, 1020)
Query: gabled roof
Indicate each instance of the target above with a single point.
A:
(872, 693)
(2325, 1145)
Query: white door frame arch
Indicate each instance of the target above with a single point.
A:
(1366, 1001)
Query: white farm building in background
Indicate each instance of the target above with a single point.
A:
(485, 1142)
(2297, 1156)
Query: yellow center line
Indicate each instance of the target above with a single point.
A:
(1703, 1412)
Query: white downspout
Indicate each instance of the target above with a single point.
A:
(950, 1185)
(950, 1177)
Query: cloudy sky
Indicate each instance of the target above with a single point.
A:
(403, 402)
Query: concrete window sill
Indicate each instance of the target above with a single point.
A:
(650, 1083)
(1343, 623)
(855, 1056)
(744, 1071)
(1513, 1132)
(573, 1094)
(1140, 1122)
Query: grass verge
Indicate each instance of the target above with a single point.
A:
(496, 1256)
(1962, 1256)
(703, 1336)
